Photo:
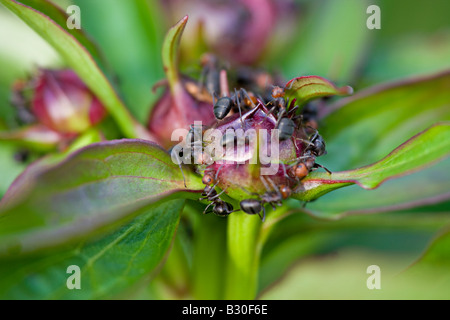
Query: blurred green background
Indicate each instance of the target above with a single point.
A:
(329, 38)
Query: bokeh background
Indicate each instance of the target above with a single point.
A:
(328, 38)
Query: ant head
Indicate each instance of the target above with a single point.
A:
(301, 170)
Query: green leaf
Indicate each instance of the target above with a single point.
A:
(363, 128)
(331, 41)
(398, 194)
(438, 253)
(421, 150)
(170, 52)
(60, 17)
(401, 57)
(92, 190)
(9, 167)
(78, 58)
(433, 267)
(300, 236)
(109, 266)
(310, 87)
(141, 28)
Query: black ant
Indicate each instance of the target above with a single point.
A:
(273, 197)
(220, 207)
(285, 125)
(210, 73)
(316, 144)
(315, 148)
(225, 104)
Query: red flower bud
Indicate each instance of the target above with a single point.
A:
(63, 103)
(237, 30)
(242, 175)
(179, 108)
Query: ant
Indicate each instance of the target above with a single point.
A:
(193, 139)
(220, 207)
(225, 104)
(273, 197)
(315, 148)
(210, 73)
(285, 125)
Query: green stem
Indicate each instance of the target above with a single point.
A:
(243, 256)
(209, 257)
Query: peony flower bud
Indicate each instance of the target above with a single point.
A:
(237, 30)
(180, 108)
(242, 169)
(63, 103)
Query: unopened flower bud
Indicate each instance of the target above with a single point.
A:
(63, 103)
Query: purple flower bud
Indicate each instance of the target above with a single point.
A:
(258, 167)
(63, 103)
(237, 30)
(179, 108)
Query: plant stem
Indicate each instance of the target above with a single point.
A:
(243, 256)
(209, 257)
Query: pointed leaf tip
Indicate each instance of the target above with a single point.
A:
(170, 51)
(306, 88)
(420, 151)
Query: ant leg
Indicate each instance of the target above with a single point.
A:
(300, 116)
(217, 173)
(295, 143)
(285, 173)
(265, 184)
(267, 114)
(274, 186)
(263, 218)
(210, 191)
(293, 109)
(305, 141)
(316, 165)
(250, 193)
(316, 133)
(280, 116)
(217, 195)
(248, 97)
(204, 211)
(239, 107)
